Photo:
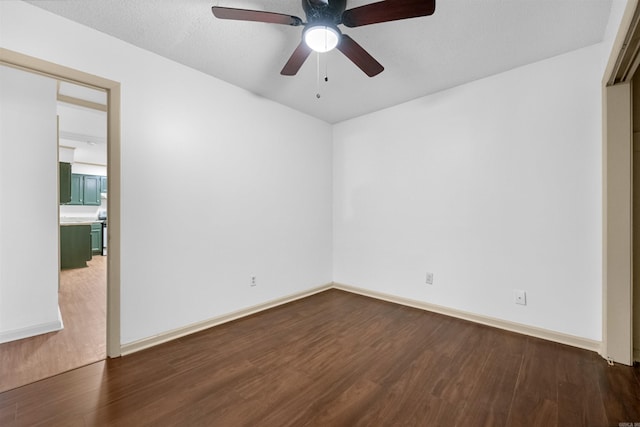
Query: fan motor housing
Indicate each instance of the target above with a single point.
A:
(324, 11)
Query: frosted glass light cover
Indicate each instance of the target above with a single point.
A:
(321, 38)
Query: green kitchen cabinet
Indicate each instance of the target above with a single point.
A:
(103, 184)
(65, 182)
(91, 190)
(76, 189)
(96, 238)
(85, 190)
(75, 245)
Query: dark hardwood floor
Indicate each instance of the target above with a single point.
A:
(338, 359)
(82, 299)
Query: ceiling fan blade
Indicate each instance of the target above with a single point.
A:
(255, 15)
(296, 60)
(385, 11)
(359, 56)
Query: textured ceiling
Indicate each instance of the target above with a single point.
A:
(464, 40)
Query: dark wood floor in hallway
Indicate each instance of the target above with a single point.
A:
(338, 359)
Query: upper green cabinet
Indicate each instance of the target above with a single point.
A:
(85, 189)
(76, 189)
(91, 190)
(65, 182)
(79, 189)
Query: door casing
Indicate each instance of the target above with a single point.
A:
(112, 89)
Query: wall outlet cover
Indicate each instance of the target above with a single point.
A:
(429, 280)
(520, 297)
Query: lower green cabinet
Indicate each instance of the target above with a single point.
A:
(96, 238)
(75, 245)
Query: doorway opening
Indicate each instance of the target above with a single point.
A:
(104, 268)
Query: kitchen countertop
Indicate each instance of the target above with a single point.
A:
(77, 221)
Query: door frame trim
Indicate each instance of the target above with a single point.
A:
(112, 88)
(617, 190)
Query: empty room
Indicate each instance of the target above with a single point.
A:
(320, 213)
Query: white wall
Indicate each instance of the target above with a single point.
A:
(65, 154)
(613, 24)
(28, 205)
(88, 169)
(217, 184)
(492, 186)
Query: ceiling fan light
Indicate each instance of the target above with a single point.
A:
(321, 38)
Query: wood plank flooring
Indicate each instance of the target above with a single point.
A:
(82, 300)
(338, 359)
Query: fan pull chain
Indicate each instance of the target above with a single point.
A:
(326, 73)
(326, 69)
(318, 75)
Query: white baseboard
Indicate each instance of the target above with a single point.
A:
(545, 334)
(533, 331)
(31, 331)
(206, 324)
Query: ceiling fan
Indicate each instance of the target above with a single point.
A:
(321, 33)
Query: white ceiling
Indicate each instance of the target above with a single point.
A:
(80, 128)
(463, 41)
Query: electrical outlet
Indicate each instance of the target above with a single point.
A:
(253, 281)
(520, 297)
(429, 280)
